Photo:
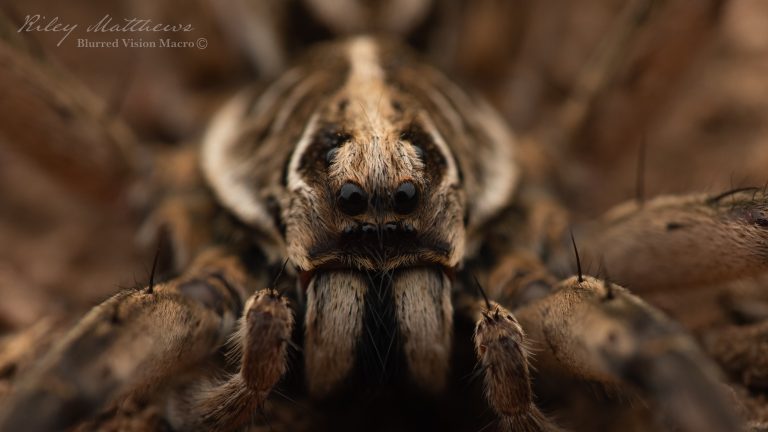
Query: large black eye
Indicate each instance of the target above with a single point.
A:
(352, 200)
(406, 198)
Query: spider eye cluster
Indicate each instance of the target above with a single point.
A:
(353, 200)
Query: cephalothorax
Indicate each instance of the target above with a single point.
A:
(362, 139)
(388, 194)
(360, 161)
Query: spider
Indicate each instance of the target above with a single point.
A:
(351, 224)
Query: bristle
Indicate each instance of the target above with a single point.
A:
(277, 277)
(578, 260)
(715, 199)
(482, 292)
(151, 287)
(608, 286)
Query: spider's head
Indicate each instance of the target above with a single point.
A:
(369, 170)
(361, 158)
(373, 191)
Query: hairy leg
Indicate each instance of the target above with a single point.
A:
(600, 332)
(503, 356)
(742, 351)
(18, 351)
(676, 241)
(129, 345)
(262, 341)
(519, 278)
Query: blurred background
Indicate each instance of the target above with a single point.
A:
(601, 89)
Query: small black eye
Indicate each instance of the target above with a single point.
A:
(420, 153)
(352, 200)
(406, 198)
(331, 155)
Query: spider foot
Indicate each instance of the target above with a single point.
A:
(262, 342)
(501, 350)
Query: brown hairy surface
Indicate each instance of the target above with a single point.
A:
(639, 123)
(426, 324)
(335, 314)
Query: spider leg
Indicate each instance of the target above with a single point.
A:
(600, 332)
(741, 350)
(262, 340)
(675, 241)
(503, 356)
(18, 351)
(184, 222)
(518, 279)
(130, 345)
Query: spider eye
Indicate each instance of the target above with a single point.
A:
(406, 198)
(331, 155)
(420, 153)
(352, 199)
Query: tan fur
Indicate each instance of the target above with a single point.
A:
(333, 325)
(369, 77)
(377, 159)
(743, 352)
(131, 344)
(518, 279)
(262, 341)
(425, 318)
(601, 332)
(264, 160)
(501, 350)
(678, 241)
(257, 158)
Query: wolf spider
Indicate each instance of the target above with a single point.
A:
(401, 209)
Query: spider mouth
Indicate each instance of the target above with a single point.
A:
(306, 276)
(378, 249)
